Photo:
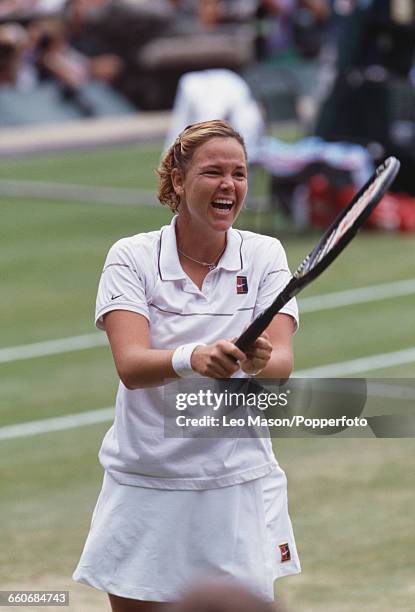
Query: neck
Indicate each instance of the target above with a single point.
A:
(204, 247)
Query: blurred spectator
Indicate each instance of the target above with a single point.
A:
(217, 94)
(44, 79)
(25, 9)
(222, 11)
(57, 59)
(13, 8)
(204, 40)
(210, 13)
(14, 43)
(215, 12)
(295, 26)
(116, 26)
(375, 54)
(48, 7)
(239, 10)
(121, 28)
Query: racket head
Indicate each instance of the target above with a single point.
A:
(347, 223)
(334, 240)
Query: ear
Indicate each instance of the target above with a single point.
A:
(177, 181)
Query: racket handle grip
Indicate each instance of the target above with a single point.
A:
(254, 330)
(261, 322)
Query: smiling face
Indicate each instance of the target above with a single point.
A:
(214, 186)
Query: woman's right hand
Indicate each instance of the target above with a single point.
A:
(219, 360)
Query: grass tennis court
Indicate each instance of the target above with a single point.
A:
(351, 499)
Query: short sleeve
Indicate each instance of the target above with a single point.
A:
(275, 276)
(122, 284)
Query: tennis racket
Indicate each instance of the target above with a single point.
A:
(334, 240)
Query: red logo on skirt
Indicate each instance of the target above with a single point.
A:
(285, 552)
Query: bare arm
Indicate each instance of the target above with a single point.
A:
(140, 366)
(273, 350)
(137, 364)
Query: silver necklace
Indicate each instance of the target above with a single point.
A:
(210, 266)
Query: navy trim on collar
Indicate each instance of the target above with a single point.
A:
(168, 259)
(232, 257)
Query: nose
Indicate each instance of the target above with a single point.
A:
(228, 183)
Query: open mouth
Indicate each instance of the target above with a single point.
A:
(222, 204)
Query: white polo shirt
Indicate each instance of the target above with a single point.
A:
(143, 274)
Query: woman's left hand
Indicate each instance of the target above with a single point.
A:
(257, 355)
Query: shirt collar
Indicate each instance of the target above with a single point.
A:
(169, 263)
(232, 257)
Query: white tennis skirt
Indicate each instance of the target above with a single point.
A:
(154, 544)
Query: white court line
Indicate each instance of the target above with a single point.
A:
(52, 347)
(71, 421)
(357, 296)
(310, 304)
(363, 364)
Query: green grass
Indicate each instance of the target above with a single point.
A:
(128, 166)
(318, 346)
(49, 486)
(52, 256)
(350, 499)
(57, 385)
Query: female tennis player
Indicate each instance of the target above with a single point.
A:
(176, 510)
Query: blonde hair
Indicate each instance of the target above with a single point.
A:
(180, 153)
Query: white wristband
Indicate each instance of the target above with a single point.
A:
(181, 360)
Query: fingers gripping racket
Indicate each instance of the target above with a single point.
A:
(334, 240)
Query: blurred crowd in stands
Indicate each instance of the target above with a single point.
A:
(343, 69)
(140, 48)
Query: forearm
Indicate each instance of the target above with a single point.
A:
(141, 367)
(280, 364)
